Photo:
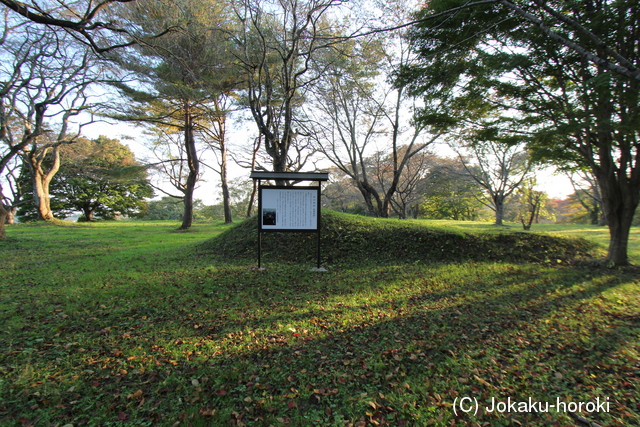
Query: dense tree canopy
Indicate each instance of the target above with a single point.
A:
(560, 76)
(99, 178)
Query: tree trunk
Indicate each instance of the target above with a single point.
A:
(383, 208)
(594, 214)
(41, 197)
(256, 148)
(11, 217)
(88, 213)
(603, 220)
(367, 195)
(41, 180)
(619, 218)
(3, 216)
(226, 198)
(498, 203)
(252, 198)
(620, 198)
(618, 244)
(221, 124)
(192, 163)
(4, 213)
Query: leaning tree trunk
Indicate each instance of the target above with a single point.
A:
(193, 165)
(368, 194)
(41, 180)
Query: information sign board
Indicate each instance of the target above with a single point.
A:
(289, 208)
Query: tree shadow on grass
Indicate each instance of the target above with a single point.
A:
(389, 344)
(515, 345)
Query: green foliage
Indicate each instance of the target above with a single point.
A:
(167, 333)
(450, 193)
(529, 205)
(568, 89)
(167, 208)
(99, 178)
(171, 208)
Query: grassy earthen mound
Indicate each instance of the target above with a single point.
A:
(351, 239)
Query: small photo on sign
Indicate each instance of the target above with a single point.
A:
(268, 217)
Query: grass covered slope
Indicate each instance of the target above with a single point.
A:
(131, 324)
(348, 239)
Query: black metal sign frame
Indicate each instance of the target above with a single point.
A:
(281, 215)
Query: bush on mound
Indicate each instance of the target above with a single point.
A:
(351, 239)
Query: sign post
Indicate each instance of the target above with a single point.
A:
(289, 208)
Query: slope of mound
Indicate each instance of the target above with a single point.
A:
(350, 239)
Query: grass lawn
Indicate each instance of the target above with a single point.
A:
(133, 323)
(595, 233)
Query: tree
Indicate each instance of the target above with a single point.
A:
(241, 196)
(566, 72)
(531, 204)
(340, 194)
(360, 119)
(450, 193)
(217, 141)
(16, 182)
(180, 80)
(347, 115)
(587, 192)
(277, 45)
(101, 178)
(409, 184)
(499, 169)
(89, 21)
(45, 79)
(170, 208)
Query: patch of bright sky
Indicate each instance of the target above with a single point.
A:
(556, 185)
(241, 133)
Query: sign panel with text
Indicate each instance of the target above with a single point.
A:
(289, 208)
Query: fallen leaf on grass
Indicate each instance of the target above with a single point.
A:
(483, 382)
(135, 395)
(207, 412)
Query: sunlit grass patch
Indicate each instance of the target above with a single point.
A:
(137, 324)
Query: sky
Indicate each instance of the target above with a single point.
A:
(556, 186)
